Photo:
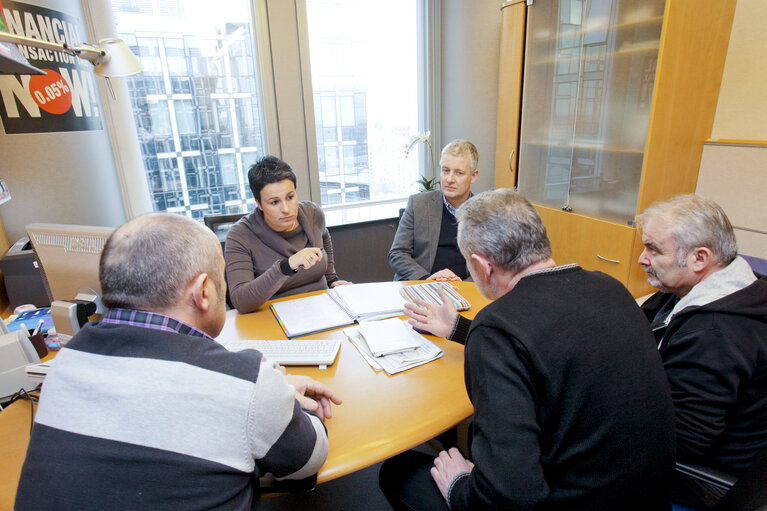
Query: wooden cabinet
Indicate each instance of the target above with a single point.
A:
(617, 98)
(510, 94)
(593, 243)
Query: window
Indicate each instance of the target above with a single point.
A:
(211, 100)
(364, 68)
(196, 104)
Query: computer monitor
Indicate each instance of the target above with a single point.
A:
(69, 259)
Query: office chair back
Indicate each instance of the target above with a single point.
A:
(758, 265)
(750, 492)
(220, 225)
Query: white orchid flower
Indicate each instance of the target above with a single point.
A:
(431, 165)
(412, 141)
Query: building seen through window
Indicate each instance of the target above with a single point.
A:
(365, 87)
(196, 104)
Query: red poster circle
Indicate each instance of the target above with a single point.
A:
(51, 92)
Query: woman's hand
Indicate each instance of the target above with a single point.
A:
(340, 283)
(306, 258)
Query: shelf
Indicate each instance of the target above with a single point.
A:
(627, 52)
(657, 20)
(585, 145)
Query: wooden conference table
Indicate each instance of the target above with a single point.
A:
(380, 417)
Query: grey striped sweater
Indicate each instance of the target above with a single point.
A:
(133, 418)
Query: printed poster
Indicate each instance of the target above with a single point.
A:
(66, 97)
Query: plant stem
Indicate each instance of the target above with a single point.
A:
(430, 161)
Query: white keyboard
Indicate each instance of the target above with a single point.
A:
(309, 352)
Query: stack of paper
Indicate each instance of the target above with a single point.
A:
(387, 336)
(393, 363)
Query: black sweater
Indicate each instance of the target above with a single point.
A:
(571, 406)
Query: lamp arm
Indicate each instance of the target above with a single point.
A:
(28, 41)
(110, 57)
(93, 55)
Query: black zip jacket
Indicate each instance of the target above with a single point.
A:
(715, 356)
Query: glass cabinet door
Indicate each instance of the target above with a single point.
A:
(587, 95)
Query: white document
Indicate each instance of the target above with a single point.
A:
(387, 336)
(362, 301)
(355, 337)
(310, 314)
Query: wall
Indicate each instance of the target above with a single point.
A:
(733, 169)
(742, 107)
(59, 177)
(64, 178)
(735, 176)
(470, 43)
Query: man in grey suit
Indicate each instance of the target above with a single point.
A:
(425, 246)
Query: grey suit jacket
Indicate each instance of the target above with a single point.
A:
(415, 244)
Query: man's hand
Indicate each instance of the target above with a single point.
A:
(340, 283)
(447, 466)
(444, 276)
(437, 319)
(313, 395)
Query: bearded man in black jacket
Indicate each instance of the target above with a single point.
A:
(710, 322)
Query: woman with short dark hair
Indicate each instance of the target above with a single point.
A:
(283, 247)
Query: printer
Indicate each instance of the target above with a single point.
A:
(23, 279)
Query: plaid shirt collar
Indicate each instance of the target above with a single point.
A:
(151, 320)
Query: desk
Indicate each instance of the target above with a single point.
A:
(381, 416)
(14, 438)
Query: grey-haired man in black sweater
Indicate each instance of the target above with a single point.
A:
(572, 409)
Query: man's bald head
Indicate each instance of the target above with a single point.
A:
(148, 262)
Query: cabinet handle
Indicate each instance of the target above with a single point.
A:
(512, 171)
(608, 260)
